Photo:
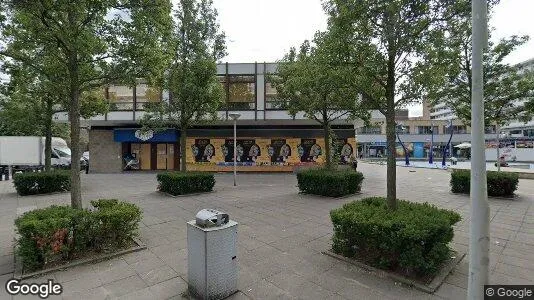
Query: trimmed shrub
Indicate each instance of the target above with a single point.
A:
(31, 183)
(499, 184)
(332, 183)
(180, 183)
(59, 233)
(412, 239)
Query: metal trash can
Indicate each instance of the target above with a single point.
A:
(212, 255)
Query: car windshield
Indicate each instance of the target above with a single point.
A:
(63, 152)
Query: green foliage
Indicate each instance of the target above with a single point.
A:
(180, 183)
(499, 184)
(413, 239)
(58, 233)
(31, 183)
(118, 222)
(327, 182)
(196, 93)
(385, 42)
(313, 81)
(79, 46)
(504, 84)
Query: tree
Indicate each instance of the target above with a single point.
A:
(312, 82)
(31, 102)
(505, 86)
(384, 40)
(86, 44)
(195, 92)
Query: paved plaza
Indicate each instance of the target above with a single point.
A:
(281, 236)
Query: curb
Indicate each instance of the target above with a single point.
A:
(427, 288)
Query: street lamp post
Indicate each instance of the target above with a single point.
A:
(479, 210)
(234, 117)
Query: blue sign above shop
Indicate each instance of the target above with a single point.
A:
(150, 136)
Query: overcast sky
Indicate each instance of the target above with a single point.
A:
(264, 30)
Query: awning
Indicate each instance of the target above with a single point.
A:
(138, 136)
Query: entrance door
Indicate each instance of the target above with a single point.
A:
(170, 157)
(161, 157)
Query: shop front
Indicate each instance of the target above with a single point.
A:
(149, 150)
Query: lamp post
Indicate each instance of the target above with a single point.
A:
(479, 211)
(234, 117)
(431, 153)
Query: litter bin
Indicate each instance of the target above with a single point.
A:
(212, 255)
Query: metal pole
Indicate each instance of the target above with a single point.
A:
(235, 151)
(479, 221)
(431, 153)
(498, 148)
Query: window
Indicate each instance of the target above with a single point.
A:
(404, 130)
(456, 129)
(271, 98)
(120, 97)
(241, 92)
(369, 130)
(145, 94)
(427, 130)
(528, 132)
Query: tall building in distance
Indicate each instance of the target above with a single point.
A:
(514, 128)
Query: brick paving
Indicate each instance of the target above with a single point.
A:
(281, 235)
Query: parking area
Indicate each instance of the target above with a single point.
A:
(281, 236)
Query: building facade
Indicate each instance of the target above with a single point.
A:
(268, 137)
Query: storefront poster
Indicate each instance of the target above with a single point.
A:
(345, 150)
(247, 151)
(279, 151)
(203, 150)
(309, 150)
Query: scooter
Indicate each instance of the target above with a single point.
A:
(131, 163)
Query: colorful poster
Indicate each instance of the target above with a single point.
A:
(279, 151)
(309, 150)
(344, 149)
(203, 150)
(247, 151)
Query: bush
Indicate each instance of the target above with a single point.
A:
(332, 183)
(31, 183)
(180, 183)
(499, 184)
(412, 239)
(58, 233)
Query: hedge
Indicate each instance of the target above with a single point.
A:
(499, 184)
(180, 183)
(59, 233)
(332, 183)
(412, 239)
(31, 183)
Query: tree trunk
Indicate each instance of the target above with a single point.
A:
(391, 161)
(74, 116)
(48, 135)
(183, 149)
(327, 145)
